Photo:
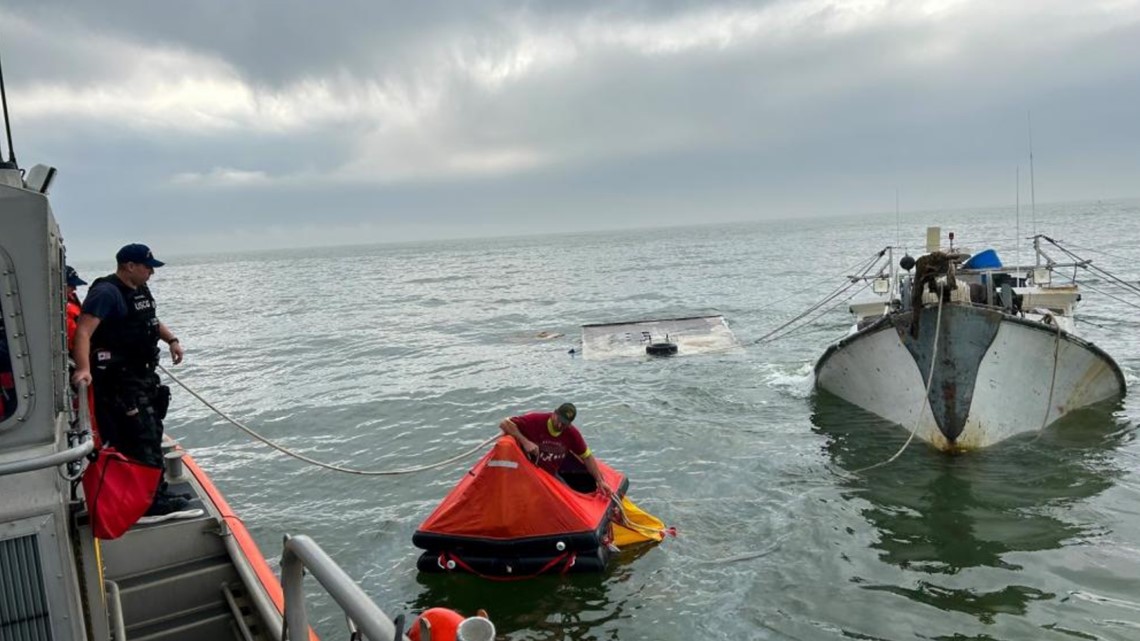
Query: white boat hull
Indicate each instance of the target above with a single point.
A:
(995, 375)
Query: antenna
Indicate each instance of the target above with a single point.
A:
(1032, 190)
(1017, 218)
(11, 163)
(898, 232)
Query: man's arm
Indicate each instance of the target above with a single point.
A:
(592, 467)
(170, 339)
(85, 327)
(511, 429)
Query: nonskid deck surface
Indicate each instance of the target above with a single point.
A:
(177, 580)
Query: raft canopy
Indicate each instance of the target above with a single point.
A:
(629, 339)
(506, 504)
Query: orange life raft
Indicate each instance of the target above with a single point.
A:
(509, 518)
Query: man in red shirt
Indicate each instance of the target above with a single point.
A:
(546, 437)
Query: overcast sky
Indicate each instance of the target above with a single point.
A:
(217, 124)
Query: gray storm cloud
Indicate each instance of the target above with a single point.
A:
(359, 122)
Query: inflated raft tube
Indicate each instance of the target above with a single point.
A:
(514, 567)
(538, 546)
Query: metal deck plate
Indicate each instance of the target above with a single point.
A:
(692, 335)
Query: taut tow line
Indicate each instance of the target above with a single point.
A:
(328, 466)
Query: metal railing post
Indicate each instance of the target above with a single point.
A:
(115, 610)
(303, 553)
(292, 586)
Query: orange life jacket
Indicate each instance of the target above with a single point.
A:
(73, 311)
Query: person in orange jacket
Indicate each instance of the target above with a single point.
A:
(74, 307)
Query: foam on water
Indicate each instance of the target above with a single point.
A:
(795, 379)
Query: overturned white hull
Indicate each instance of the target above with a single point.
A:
(994, 376)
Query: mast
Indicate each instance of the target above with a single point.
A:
(1017, 223)
(898, 221)
(895, 292)
(1032, 190)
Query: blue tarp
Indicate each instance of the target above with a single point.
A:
(985, 259)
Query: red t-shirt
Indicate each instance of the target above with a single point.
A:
(552, 447)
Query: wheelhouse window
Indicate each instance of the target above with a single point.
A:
(8, 398)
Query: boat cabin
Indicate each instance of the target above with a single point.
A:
(975, 279)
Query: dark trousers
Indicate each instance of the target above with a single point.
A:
(129, 408)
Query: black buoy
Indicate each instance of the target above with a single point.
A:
(907, 262)
(661, 349)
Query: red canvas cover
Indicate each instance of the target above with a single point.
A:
(505, 496)
(118, 491)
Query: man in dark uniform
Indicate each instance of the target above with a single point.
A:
(116, 350)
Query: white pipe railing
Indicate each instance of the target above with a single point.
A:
(70, 455)
(302, 553)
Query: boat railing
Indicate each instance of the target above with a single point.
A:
(302, 553)
(70, 455)
(115, 610)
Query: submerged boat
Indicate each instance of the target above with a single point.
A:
(509, 518)
(966, 352)
(191, 578)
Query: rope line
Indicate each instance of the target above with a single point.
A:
(1053, 378)
(796, 331)
(926, 394)
(748, 556)
(1098, 251)
(845, 274)
(1108, 295)
(328, 466)
(839, 291)
(1088, 264)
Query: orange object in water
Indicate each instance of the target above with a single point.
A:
(444, 623)
(508, 518)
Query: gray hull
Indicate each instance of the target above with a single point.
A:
(994, 375)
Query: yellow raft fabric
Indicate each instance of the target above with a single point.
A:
(639, 526)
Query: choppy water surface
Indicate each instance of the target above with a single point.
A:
(389, 356)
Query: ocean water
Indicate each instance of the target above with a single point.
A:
(390, 356)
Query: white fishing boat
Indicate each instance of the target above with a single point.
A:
(965, 352)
